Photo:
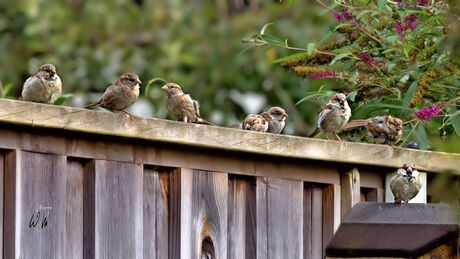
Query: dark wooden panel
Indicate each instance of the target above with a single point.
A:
(174, 218)
(331, 213)
(375, 195)
(282, 221)
(9, 221)
(36, 183)
(118, 210)
(74, 210)
(241, 217)
(307, 222)
(203, 213)
(372, 178)
(350, 186)
(156, 193)
(317, 222)
(89, 210)
(2, 173)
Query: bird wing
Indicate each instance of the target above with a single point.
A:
(196, 105)
(324, 113)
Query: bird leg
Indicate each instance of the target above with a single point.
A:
(129, 114)
(397, 201)
(325, 134)
(335, 134)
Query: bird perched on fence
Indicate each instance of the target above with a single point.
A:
(382, 129)
(334, 116)
(120, 95)
(406, 184)
(44, 86)
(181, 105)
(271, 121)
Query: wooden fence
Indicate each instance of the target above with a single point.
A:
(91, 184)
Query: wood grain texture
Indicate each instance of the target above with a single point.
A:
(199, 198)
(156, 202)
(89, 209)
(331, 213)
(74, 210)
(2, 175)
(118, 210)
(10, 237)
(307, 222)
(317, 223)
(375, 195)
(40, 182)
(241, 217)
(95, 122)
(279, 218)
(351, 191)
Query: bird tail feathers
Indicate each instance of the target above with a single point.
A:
(93, 105)
(355, 123)
(204, 122)
(312, 135)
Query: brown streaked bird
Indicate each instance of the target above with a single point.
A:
(120, 95)
(275, 116)
(255, 122)
(382, 129)
(181, 105)
(44, 86)
(334, 116)
(406, 184)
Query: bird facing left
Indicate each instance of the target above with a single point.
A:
(44, 86)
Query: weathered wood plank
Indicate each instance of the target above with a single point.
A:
(118, 210)
(89, 209)
(175, 201)
(36, 184)
(74, 210)
(317, 223)
(203, 211)
(281, 224)
(375, 195)
(241, 217)
(96, 122)
(156, 193)
(371, 178)
(351, 191)
(307, 221)
(331, 213)
(2, 175)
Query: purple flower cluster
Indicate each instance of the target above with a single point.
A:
(426, 114)
(403, 4)
(422, 2)
(368, 60)
(346, 15)
(409, 23)
(328, 73)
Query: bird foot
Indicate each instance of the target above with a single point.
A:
(341, 140)
(129, 114)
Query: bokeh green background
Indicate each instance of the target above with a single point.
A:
(196, 44)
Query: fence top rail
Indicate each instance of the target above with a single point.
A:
(73, 119)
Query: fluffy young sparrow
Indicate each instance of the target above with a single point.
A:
(382, 129)
(181, 105)
(406, 184)
(44, 86)
(255, 122)
(275, 116)
(334, 116)
(120, 95)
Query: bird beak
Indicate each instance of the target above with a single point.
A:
(284, 115)
(248, 126)
(399, 127)
(52, 73)
(138, 82)
(164, 88)
(409, 170)
(341, 101)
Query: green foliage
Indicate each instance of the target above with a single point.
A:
(391, 57)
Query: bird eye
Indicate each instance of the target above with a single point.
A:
(171, 86)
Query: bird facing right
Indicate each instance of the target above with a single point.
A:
(44, 86)
(382, 129)
(406, 184)
(334, 116)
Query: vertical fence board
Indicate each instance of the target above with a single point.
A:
(331, 212)
(317, 223)
(118, 209)
(241, 217)
(74, 210)
(34, 183)
(307, 222)
(156, 192)
(2, 175)
(283, 218)
(350, 183)
(375, 195)
(89, 210)
(174, 217)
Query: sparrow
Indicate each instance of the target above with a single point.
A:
(181, 105)
(255, 122)
(44, 86)
(406, 184)
(275, 116)
(120, 95)
(334, 116)
(382, 129)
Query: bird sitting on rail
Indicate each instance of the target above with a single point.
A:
(382, 129)
(120, 95)
(406, 184)
(271, 121)
(44, 86)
